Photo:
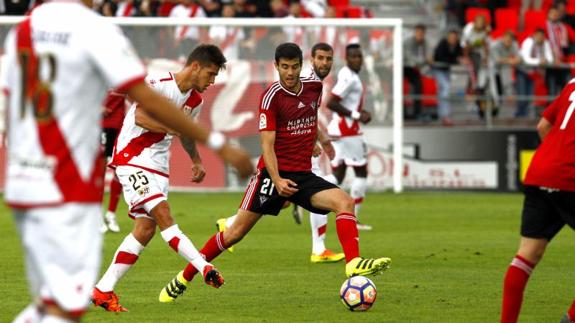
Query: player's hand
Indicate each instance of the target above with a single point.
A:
(364, 117)
(285, 187)
(328, 149)
(198, 173)
(316, 150)
(238, 158)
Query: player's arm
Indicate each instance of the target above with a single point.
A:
(161, 109)
(543, 127)
(285, 187)
(144, 120)
(325, 143)
(335, 105)
(198, 171)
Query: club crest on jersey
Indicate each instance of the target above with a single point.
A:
(263, 121)
(314, 105)
(300, 105)
(144, 191)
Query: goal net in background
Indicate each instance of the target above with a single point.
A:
(231, 104)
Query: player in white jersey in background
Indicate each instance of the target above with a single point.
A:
(141, 161)
(321, 63)
(346, 102)
(56, 75)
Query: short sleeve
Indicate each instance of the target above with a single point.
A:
(344, 83)
(550, 113)
(268, 111)
(114, 56)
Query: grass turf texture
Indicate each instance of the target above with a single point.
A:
(449, 250)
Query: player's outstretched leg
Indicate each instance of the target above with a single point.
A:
(125, 257)
(342, 204)
(224, 223)
(320, 254)
(219, 242)
(517, 277)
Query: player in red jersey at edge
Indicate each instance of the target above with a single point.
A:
(288, 126)
(549, 199)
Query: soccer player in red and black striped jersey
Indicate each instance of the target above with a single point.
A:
(549, 199)
(288, 126)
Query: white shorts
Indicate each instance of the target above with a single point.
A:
(349, 150)
(62, 250)
(143, 190)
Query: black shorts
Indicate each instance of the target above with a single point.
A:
(262, 197)
(109, 136)
(546, 211)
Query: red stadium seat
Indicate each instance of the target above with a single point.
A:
(429, 89)
(354, 12)
(471, 13)
(506, 18)
(570, 8)
(534, 19)
(515, 4)
(338, 3)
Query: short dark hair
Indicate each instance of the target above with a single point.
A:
(352, 46)
(288, 51)
(420, 26)
(207, 54)
(539, 30)
(321, 46)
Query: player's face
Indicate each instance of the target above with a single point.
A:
(354, 59)
(322, 62)
(206, 76)
(289, 70)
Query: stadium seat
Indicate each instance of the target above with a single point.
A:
(471, 13)
(534, 19)
(570, 8)
(507, 18)
(354, 12)
(429, 89)
(514, 4)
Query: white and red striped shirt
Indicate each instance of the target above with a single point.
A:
(349, 90)
(148, 150)
(57, 73)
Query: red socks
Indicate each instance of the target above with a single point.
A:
(213, 248)
(346, 226)
(115, 191)
(515, 281)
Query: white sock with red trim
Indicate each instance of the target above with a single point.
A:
(29, 315)
(358, 187)
(184, 247)
(318, 223)
(230, 220)
(126, 256)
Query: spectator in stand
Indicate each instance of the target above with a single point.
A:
(243, 9)
(187, 37)
(448, 52)
(212, 8)
(416, 55)
(564, 16)
(316, 8)
(108, 8)
(558, 35)
(279, 8)
(294, 34)
(228, 38)
(535, 53)
(504, 55)
(475, 43)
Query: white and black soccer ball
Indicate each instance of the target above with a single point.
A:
(358, 293)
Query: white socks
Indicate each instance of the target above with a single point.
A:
(184, 247)
(318, 223)
(358, 187)
(126, 256)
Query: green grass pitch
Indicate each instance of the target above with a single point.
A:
(449, 250)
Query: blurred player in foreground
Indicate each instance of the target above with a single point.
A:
(55, 78)
(288, 126)
(141, 161)
(549, 199)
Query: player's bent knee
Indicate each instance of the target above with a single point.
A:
(345, 204)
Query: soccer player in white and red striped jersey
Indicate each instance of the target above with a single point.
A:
(141, 161)
(346, 102)
(56, 76)
(549, 202)
(288, 127)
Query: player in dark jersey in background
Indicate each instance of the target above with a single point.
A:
(114, 112)
(288, 125)
(549, 199)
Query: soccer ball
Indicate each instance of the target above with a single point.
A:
(358, 293)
